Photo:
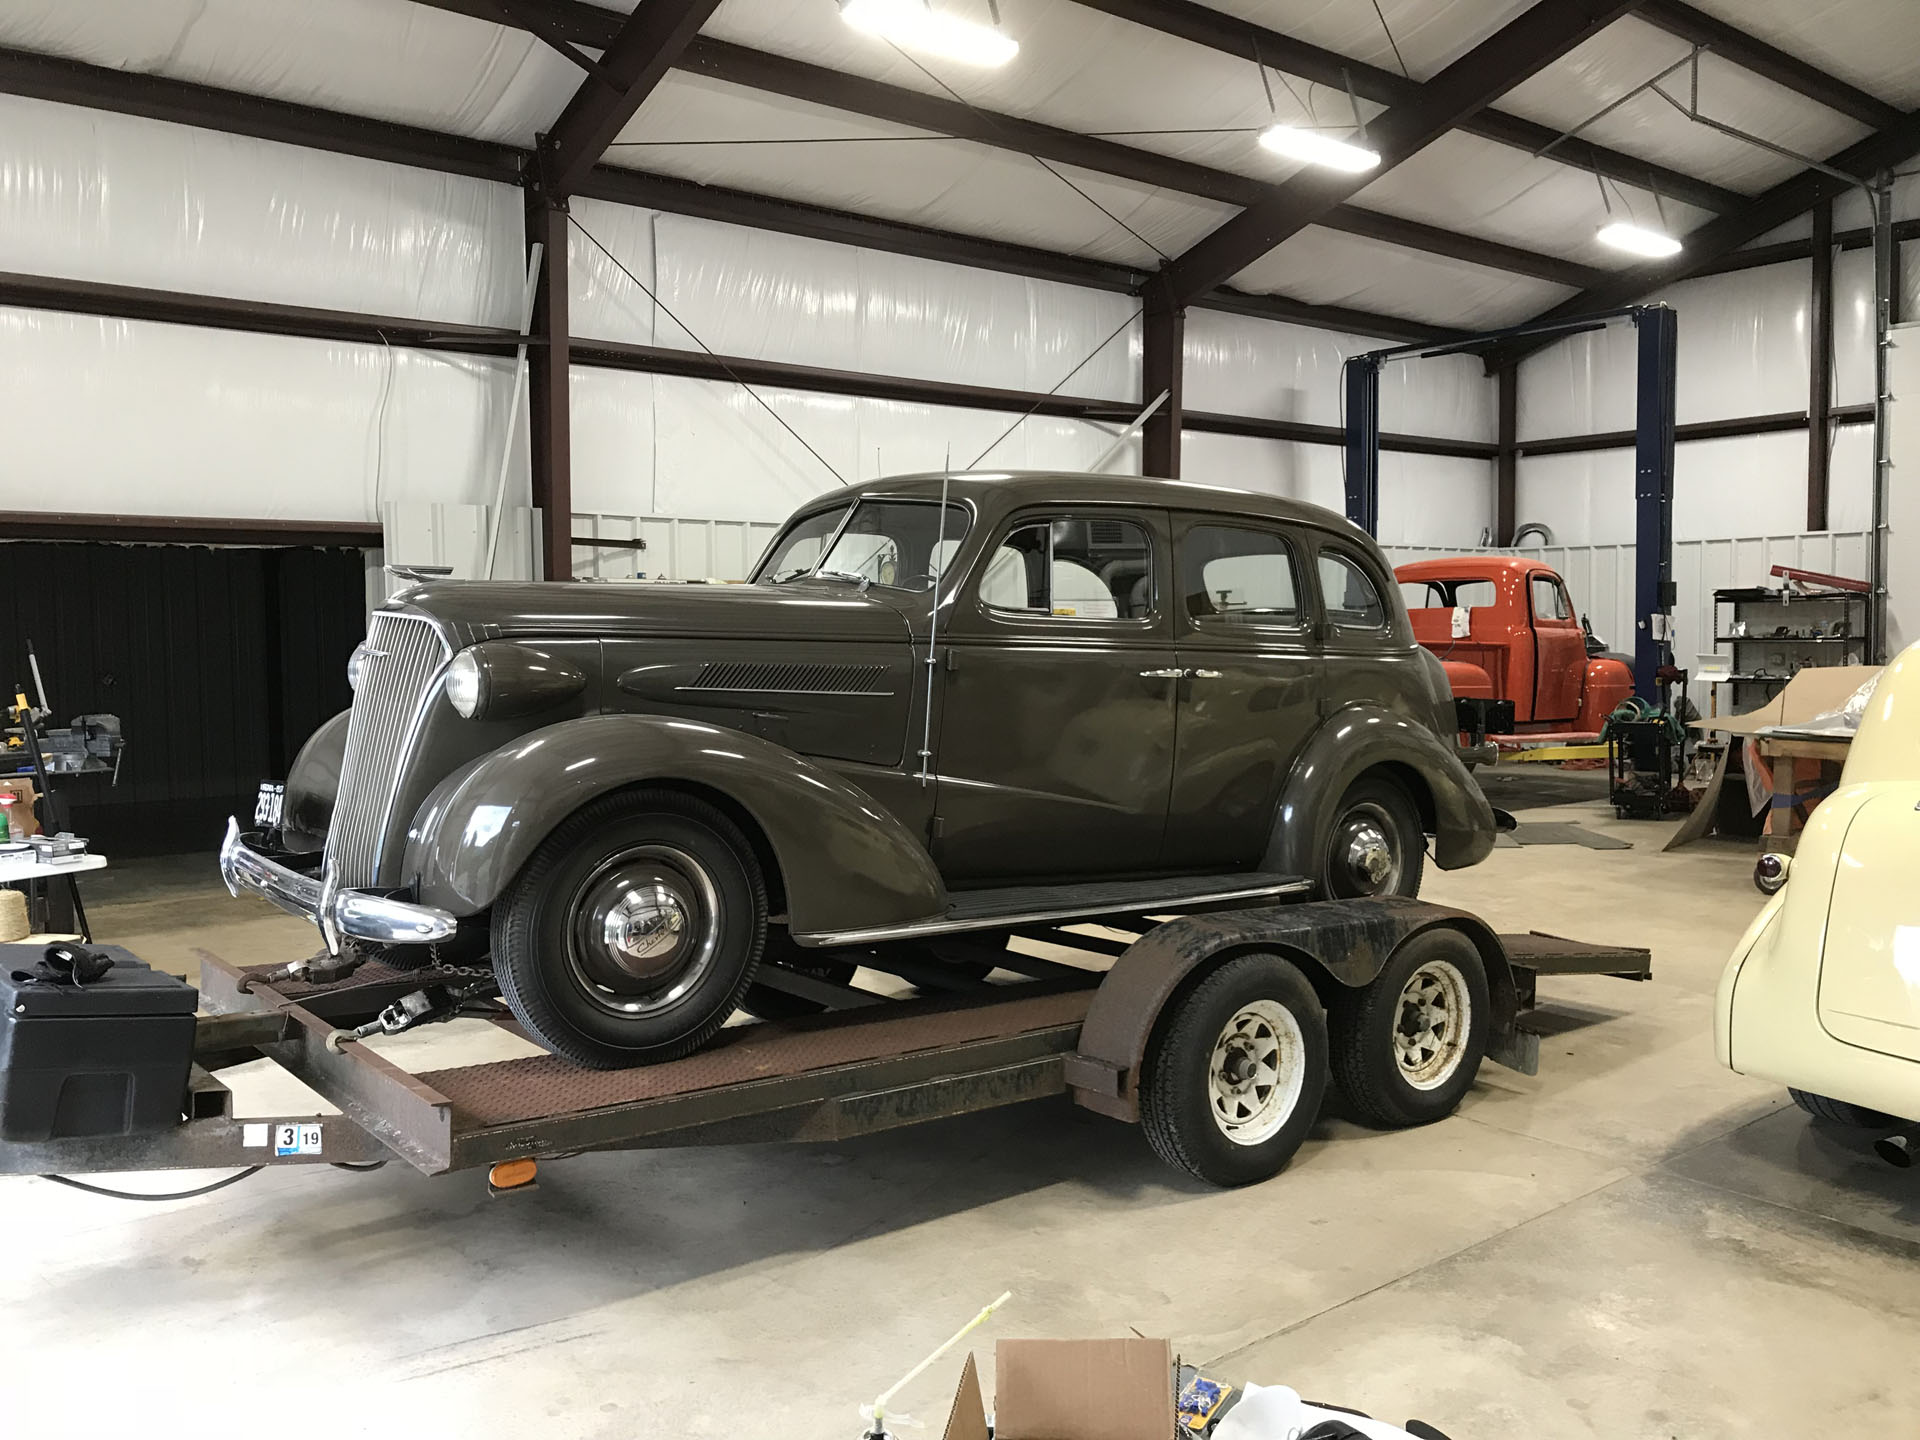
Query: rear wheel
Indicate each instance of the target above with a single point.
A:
(632, 933)
(1234, 1081)
(1376, 845)
(1840, 1112)
(1407, 1046)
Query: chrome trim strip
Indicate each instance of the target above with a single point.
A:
(823, 938)
(340, 914)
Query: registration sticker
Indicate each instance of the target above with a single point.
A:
(296, 1140)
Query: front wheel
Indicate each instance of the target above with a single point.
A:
(1235, 1080)
(634, 930)
(1376, 845)
(1407, 1046)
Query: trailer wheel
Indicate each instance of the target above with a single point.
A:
(1407, 1046)
(1376, 845)
(1840, 1112)
(1235, 1079)
(632, 933)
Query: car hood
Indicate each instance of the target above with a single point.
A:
(824, 610)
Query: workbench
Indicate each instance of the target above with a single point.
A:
(22, 867)
(1786, 754)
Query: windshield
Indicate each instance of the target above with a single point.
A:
(895, 543)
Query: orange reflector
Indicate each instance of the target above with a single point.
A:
(512, 1175)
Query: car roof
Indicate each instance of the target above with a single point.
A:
(1008, 489)
(1468, 567)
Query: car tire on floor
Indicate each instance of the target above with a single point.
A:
(1406, 1047)
(1234, 1080)
(1841, 1112)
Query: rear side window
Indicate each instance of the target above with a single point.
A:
(1549, 600)
(1237, 576)
(1072, 568)
(1352, 600)
(1446, 594)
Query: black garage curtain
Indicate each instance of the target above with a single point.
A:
(218, 661)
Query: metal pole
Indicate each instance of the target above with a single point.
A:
(1653, 589)
(1361, 377)
(513, 404)
(1883, 282)
(1133, 429)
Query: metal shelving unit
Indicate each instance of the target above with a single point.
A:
(1770, 634)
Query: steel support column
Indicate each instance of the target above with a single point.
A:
(1506, 465)
(1162, 367)
(1360, 378)
(1820, 368)
(1657, 329)
(549, 416)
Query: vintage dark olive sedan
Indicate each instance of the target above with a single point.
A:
(943, 704)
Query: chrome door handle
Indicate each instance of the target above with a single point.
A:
(1162, 674)
(1204, 674)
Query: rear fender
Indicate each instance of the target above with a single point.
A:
(1353, 741)
(846, 862)
(1339, 943)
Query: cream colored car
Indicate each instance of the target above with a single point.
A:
(1823, 991)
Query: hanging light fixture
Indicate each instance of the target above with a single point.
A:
(917, 25)
(1317, 149)
(1638, 240)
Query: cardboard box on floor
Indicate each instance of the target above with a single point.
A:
(1810, 692)
(1070, 1390)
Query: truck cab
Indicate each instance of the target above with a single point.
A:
(1507, 634)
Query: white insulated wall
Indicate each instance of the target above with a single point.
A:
(144, 418)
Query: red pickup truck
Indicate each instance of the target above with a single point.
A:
(1508, 636)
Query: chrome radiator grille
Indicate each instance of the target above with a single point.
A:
(404, 655)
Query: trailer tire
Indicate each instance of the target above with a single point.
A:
(1234, 1080)
(1840, 1112)
(1407, 1045)
(633, 931)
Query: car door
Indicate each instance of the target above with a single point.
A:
(1248, 699)
(1056, 722)
(1559, 649)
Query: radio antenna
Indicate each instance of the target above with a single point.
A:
(933, 634)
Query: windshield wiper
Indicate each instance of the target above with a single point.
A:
(863, 581)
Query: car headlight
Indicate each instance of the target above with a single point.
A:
(356, 666)
(464, 684)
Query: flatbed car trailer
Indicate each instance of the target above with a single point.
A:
(866, 1063)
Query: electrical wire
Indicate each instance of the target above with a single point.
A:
(1391, 41)
(1056, 388)
(647, 290)
(380, 426)
(111, 1194)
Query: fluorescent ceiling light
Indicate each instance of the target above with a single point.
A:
(1638, 240)
(915, 25)
(1317, 149)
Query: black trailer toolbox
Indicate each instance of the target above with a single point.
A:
(106, 1058)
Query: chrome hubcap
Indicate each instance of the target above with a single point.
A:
(1256, 1071)
(1366, 859)
(645, 927)
(1430, 1039)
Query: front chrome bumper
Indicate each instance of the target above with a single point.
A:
(341, 914)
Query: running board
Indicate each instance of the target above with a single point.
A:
(1070, 904)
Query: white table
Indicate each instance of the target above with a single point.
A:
(21, 866)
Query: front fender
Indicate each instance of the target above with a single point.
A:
(846, 861)
(313, 782)
(1353, 741)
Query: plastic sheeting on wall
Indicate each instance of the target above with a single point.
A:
(667, 446)
(1429, 498)
(1743, 351)
(89, 195)
(1239, 365)
(132, 417)
(810, 302)
(410, 63)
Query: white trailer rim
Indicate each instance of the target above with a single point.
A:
(1434, 1017)
(1256, 1072)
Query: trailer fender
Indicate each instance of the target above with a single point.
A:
(845, 860)
(1342, 942)
(1348, 744)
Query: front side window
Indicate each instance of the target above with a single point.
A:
(1238, 576)
(1353, 602)
(899, 544)
(1549, 600)
(1072, 568)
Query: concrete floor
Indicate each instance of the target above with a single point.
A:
(1635, 1243)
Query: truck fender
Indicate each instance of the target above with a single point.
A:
(1351, 742)
(313, 781)
(845, 860)
(1343, 942)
